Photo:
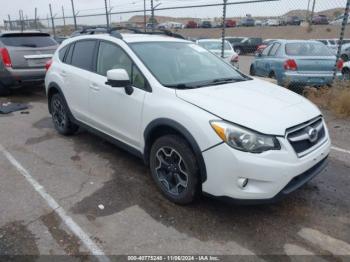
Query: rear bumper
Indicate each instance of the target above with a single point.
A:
(309, 79)
(13, 78)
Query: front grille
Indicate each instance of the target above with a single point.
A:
(303, 139)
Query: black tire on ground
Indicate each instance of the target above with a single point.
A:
(346, 73)
(272, 75)
(174, 168)
(4, 91)
(344, 57)
(60, 116)
(252, 70)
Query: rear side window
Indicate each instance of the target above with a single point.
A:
(29, 40)
(62, 52)
(274, 49)
(83, 54)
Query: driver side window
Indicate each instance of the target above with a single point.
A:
(111, 56)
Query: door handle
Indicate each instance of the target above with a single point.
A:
(94, 87)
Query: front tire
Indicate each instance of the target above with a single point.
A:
(60, 116)
(174, 168)
(252, 71)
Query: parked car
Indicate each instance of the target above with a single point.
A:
(345, 52)
(320, 20)
(346, 70)
(23, 56)
(197, 122)
(206, 24)
(339, 20)
(265, 44)
(191, 24)
(297, 63)
(246, 22)
(271, 22)
(215, 45)
(331, 43)
(293, 20)
(246, 45)
(258, 23)
(231, 23)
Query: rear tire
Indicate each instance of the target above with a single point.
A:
(4, 91)
(60, 116)
(344, 57)
(272, 75)
(174, 168)
(252, 71)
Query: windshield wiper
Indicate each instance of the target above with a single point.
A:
(181, 86)
(221, 81)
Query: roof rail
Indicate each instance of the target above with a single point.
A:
(114, 32)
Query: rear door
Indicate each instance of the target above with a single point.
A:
(29, 50)
(78, 74)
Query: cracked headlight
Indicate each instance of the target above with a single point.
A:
(244, 139)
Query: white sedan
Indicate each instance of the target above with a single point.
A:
(215, 46)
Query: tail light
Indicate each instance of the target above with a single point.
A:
(290, 64)
(340, 64)
(6, 59)
(235, 58)
(48, 64)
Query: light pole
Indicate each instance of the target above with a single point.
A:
(52, 22)
(107, 15)
(144, 15)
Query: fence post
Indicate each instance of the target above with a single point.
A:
(223, 29)
(21, 20)
(312, 13)
(107, 15)
(152, 15)
(74, 16)
(64, 18)
(36, 18)
(341, 38)
(10, 23)
(52, 22)
(144, 15)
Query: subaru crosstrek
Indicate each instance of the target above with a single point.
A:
(200, 124)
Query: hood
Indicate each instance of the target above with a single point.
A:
(256, 104)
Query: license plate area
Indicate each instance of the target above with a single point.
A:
(39, 62)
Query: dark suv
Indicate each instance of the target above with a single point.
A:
(245, 45)
(23, 56)
(293, 20)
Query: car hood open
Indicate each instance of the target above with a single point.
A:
(255, 104)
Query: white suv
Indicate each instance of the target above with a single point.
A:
(200, 125)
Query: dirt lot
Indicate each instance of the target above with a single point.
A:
(281, 32)
(110, 205)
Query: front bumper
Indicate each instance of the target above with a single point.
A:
(13, 78)
(309, 78)
(271, 174)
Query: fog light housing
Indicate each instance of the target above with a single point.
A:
(242, 182)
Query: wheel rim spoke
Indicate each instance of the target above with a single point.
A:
(171, 170)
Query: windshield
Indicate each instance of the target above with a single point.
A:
(308, 49)
(214, 45)
(185, 65)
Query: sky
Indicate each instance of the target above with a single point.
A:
(85, 7)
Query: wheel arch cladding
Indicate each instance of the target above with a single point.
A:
(164, 126)
(54, 88)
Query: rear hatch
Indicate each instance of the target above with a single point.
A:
(29, 50)
(311, 56)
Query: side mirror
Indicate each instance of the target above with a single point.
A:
(119, 78)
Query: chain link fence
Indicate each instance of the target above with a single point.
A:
(322, 20)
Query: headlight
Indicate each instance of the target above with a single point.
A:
(244, 139)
